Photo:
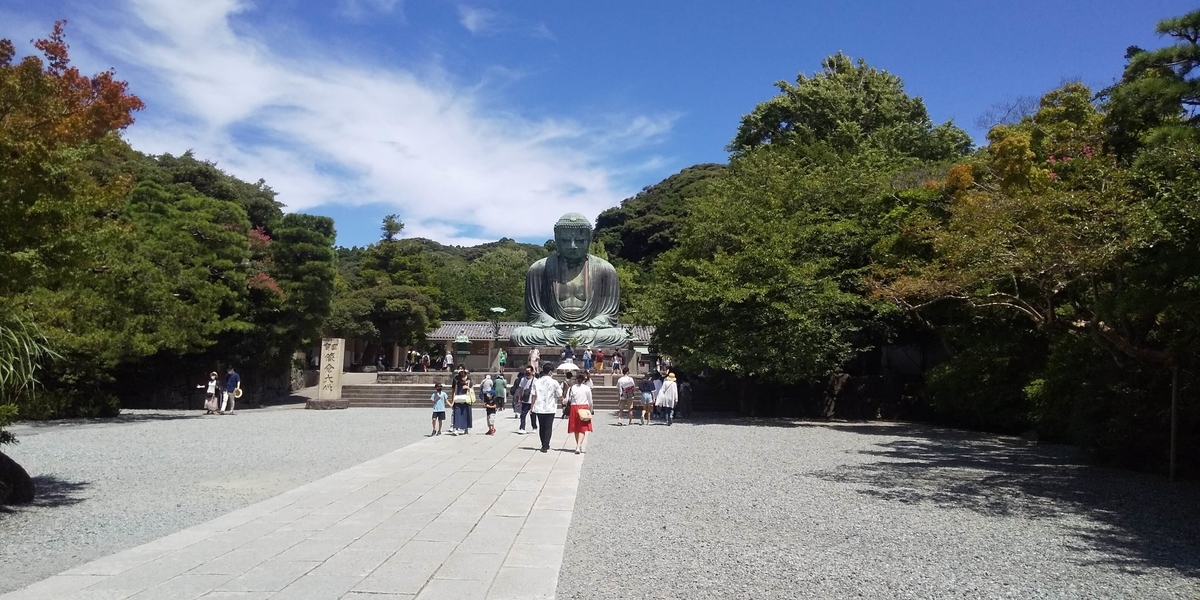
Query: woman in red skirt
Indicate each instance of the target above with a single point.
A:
(579, 398)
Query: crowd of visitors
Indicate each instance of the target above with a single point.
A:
(536, 398)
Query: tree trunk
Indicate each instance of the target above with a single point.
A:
(16, 480)
(744, 398)
(1174, 419)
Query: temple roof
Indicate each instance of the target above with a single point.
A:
(482, 330)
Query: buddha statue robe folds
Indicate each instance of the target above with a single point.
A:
(571, 294)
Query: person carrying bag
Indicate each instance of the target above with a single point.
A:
(579, 404)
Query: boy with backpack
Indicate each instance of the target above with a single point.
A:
(490, 402)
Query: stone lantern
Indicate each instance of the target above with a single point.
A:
(462, 346)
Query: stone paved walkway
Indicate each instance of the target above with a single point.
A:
(448, 517)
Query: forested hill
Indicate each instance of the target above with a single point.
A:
(645, 226)
(399, 288)
(473, 253)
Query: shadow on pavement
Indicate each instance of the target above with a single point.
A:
(50, 492)
(123, 418)
(738, 420)
(1135, 520)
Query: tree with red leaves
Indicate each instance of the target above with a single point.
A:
(54, 123)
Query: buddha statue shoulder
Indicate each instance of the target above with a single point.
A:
(571, 293)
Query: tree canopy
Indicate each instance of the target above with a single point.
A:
(130, 267)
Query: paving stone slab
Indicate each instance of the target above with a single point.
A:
(448, 517)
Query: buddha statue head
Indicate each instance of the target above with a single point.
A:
(573, 238)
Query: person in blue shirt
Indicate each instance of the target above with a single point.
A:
(233, 384)
(439, 409)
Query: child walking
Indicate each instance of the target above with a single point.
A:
(490, 404)
(439, 409)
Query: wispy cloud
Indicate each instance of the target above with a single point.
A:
(320, 131)
(484, 21)
(476, 20)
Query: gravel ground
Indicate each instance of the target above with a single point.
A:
(105, 486)
(770, 509)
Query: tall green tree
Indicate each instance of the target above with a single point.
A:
(768, 280)
(1157, 98)
(392, 297)
(847, 106)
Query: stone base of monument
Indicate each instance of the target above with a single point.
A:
(327, 404)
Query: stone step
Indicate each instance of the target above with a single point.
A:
(397, 403)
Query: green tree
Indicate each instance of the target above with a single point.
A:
(762, 282)
(768, 280)
(845, 107)
(1158, 94)
(54, 122)
(392, 297)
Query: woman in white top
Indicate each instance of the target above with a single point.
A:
(668, 396)
(210, 393)
(579, 397)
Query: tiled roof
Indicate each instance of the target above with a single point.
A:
(482, 330)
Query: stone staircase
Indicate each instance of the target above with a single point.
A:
(384, 395)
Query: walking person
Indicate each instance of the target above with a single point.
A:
(587, 359)
(500, 388)
(618, 362)
(547, 395)
(626, 386)
(568, 354)
(210, 393)
(490, 405)
(647, 389)
(461, 404)
(535, 358)
(579, 421)
(233, 391)
(667, 398)
(448, 361)
(486, 387)
(525, 391)
(514, 393)
(502, 359)
(658, 383)
(439, 409)
(599, 356)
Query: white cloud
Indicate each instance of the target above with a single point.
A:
(476, 20)
(482, 21)
(326, 132)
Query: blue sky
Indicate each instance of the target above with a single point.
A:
(482, 119)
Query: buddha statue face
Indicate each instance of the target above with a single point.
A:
(572, 242)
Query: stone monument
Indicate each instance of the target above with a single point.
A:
(571, 293)
(329, 383)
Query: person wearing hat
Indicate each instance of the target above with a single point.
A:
(233, 391)
(210, 393)
(439, 409)
(668, 396)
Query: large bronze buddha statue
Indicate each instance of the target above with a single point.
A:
(571, 293)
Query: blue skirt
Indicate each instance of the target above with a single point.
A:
(462, 416)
